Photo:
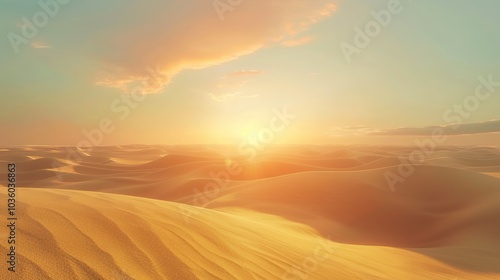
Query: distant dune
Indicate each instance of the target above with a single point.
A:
(296, 212)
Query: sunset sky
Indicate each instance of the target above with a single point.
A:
(219, 76)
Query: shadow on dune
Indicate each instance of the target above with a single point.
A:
(430, 212)
(442, 210)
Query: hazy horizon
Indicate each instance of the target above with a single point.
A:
(348, 71)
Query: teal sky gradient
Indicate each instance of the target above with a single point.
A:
(427, 59)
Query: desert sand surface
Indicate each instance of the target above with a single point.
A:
(291, 212)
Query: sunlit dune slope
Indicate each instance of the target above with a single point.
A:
(172, 172)
(266, 217)
(433, 207)
(83, 235)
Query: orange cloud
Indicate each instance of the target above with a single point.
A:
(193, 37)
(40, 45)
(230, 86)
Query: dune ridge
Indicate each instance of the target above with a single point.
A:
(123, 237)
(208, 212)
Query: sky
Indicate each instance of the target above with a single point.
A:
(112, 72)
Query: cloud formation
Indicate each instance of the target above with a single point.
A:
(491, 126)
(230, 86)
(40, 45)
(452, 129)
(350, 131)
(177, 35)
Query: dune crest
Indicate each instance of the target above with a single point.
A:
(122, 237)
(297, 212)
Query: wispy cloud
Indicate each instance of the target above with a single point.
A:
(350, 131)
(451, 129)
(198, 38)
(40, 45)
(491, 126)
(231, 85)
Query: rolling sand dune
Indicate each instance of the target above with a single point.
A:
(85, 235)
(297, 212)
(420, 213)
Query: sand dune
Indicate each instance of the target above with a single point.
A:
(208, 212)
(85, 235)
(420, 213)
